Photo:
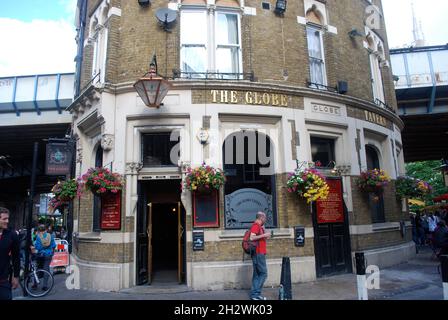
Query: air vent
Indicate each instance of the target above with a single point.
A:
(266, 5)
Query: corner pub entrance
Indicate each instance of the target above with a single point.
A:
(160, 233)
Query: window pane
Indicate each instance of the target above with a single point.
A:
(322, 150)
(193, 28)
(157, 149)
(227, 29)
(314, 44)
(227, 60)
(194, 59)
(316, 71)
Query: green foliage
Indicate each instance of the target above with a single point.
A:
(428, 171)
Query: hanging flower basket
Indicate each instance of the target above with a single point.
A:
(101, 181)
(373, 181)
(309, 184)
(64, 192)
(204, 179)
(408, 187)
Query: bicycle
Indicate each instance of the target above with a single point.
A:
(33, 281)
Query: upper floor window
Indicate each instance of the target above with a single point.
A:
(314, 33)
(376, 57)
(316, 58)
(210, 42)
(98, 35)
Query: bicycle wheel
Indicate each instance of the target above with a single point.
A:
(34, 283)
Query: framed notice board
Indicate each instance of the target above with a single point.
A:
(111, 211)
(205, 209)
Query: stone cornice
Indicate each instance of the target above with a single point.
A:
(269, 87)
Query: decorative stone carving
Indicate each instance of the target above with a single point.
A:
(133, 167)
(107, 142)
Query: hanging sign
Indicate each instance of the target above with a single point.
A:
(111, 211)
(331, 210)
(58, 159)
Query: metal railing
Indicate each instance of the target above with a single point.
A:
(178, 74)
(384, 105)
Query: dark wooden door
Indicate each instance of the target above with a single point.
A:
(142, 235)
(332, 246)
(332, 249)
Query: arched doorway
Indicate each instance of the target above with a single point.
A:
(248, 158)
(376, 201)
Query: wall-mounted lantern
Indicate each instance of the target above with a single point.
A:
(152, 88)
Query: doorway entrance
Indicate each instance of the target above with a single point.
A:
(161, 236)
(331, 233)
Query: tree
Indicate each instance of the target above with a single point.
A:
(429, 172)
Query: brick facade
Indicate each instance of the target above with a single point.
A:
(275, 49)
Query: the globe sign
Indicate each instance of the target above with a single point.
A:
(58, 159)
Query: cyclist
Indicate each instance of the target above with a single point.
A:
(45, 246)
(9, 250)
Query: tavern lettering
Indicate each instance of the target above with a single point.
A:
(249, 97)
(375, 118)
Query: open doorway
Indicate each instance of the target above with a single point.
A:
(161, 237)
(164, 242)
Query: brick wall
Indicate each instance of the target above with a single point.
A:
(274, 48)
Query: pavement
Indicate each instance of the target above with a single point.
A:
(418, 279)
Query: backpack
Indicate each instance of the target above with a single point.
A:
(249, 247)
(45, 241)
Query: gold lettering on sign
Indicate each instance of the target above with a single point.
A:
(233, 97)
(249, 97)
(275, 101)
(284, 102)
(215, 96)
(258, 99)
(375, 118)
(224, 96)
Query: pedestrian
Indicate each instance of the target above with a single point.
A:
(9, 254)
(45, 246)
(441, 238)
(260, 271)
(420, 228)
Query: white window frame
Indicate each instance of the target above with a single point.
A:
(206, 44)
(324, 69)
(211, 45)
(217, 45)
(99, 35)
(376, 58)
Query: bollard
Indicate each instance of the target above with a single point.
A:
(285, 280)
(361, 276)
(444, 265)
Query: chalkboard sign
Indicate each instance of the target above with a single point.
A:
(299, 236)
(205, 208)
(198, 240)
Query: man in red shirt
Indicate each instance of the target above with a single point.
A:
(260, 272)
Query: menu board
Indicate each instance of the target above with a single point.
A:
(331, 210)
(111, 211)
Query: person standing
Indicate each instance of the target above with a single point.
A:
(260, 271)
(9, 253)
(45, 246)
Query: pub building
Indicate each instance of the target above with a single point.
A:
(257, 89)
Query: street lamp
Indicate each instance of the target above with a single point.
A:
(152, 88)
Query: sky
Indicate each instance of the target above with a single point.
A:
(38, 36)
(432, 14)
